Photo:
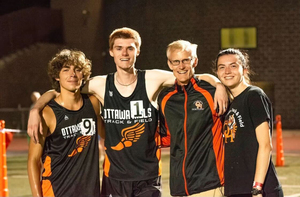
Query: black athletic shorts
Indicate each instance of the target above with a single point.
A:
(145, 188)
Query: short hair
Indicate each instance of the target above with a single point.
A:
(125, 33)
(182, 45)
(68, 57)
(243, 57)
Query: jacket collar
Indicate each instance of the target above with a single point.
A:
(187, 87)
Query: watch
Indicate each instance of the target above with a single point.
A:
(255, 191)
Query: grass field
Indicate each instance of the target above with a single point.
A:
(289, 175)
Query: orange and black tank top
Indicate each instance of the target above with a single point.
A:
(71, 154)
(131, 129)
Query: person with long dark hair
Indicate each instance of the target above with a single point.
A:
(247, 129)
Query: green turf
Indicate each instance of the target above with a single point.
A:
(18, 185)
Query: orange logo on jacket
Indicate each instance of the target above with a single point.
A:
(230, 128)
(130, 135)
(199, 104)
(81, 142)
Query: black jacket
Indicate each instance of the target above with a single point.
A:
(190, 125)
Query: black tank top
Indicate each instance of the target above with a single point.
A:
(130, 123)
(71, 154)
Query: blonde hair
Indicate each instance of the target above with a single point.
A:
(182, 45)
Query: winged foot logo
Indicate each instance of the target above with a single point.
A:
(130, 135)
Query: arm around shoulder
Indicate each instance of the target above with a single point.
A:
(214, 81)
(44, 99)
(100, 122)
(34, 126)
(221, 96)
(95, 86)
(162, 77)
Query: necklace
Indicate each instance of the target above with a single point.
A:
(126, 84)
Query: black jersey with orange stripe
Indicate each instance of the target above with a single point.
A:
(190, 125)
(71, 153)
(132, 151)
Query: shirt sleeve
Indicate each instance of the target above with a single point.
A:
(260, 109)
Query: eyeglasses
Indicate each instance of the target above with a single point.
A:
(184, 61)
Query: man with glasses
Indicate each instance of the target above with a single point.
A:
(128, 97)
(189, 124)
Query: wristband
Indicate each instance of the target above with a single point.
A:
(257, 184)
(255, 191)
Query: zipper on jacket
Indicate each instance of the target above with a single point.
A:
(185, 140)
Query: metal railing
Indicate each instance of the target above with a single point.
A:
(15, 118)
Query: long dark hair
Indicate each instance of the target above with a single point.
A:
(243, 57)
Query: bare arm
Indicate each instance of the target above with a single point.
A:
(157, 79)
(264, 152)
(161, 77)
(209, 78)
(95, 86)
(44, 99)
(100, 122)
(34, 164)
(101, 128)
(221, 96)
(34, 167)
(34, 126)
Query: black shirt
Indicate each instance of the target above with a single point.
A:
(247, 111)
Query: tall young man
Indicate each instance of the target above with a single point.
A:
(190, 125)
(128, 96)
(68, 146)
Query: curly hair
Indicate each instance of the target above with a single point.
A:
(68, 57)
